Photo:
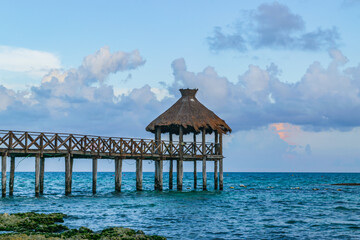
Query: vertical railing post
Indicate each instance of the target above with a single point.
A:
(41, 143)
(121, 145)
(70, 144)
(26, 141)
(99, 144)
(56, 142)
(142, 147)
(83, 144)
(10, 140)
(194, 145)
(109, 147)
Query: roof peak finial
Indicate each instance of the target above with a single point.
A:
(188, 92)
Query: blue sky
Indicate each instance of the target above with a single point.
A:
(285, 75)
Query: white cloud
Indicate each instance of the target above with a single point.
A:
(98, 66)
(32, 62)
(272, 25)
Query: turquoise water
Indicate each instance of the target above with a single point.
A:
(271, 206)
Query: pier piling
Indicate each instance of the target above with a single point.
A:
(139, 174)
(159, 175)
(37, 175)
(194, 153)
(195, 175)
(216, 174)
(171, 163)
(203, 159)
(179, 170)
(118, 174)
(12, 175)
(67, 174)
(159, 162)
(71, 171)
(221, 173)
(94, 174)
(42, 172)
(3, 175)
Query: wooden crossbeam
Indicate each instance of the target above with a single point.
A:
(18, 141)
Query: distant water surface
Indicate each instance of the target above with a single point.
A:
(271, 206)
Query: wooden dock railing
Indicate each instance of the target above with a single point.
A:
(56, 144)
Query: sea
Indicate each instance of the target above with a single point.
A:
(251, 206)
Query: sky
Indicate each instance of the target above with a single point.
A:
(285, 75)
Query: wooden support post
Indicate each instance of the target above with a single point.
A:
(171, 164)
(71, 171)
(171, 174)
(216, 180)
(204, 159)
(12, 176)
(161, 165)
(221, 177)
(118, 174)
(42, 173)
(3, 175)
(158, 162)
(179, 174)
(139, 174)
(180, 171)
(194, 153)
(67, 174)
(37, 175)
(159, 174)
(94, 174)
(195, 175)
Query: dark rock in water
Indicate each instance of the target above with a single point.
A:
(43, 226)
(85, 230)
(32, 222)
(346, 184)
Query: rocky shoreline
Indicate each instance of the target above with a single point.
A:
(32, 225)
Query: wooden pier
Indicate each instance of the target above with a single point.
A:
(15, 144)
(186, 116)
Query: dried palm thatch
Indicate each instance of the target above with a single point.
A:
(189, 113)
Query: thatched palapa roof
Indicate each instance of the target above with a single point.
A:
(189, 113)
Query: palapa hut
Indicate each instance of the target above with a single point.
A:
(187, 116)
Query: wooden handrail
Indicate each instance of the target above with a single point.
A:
(43, 142)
